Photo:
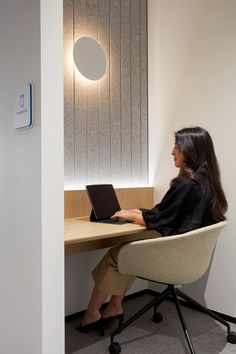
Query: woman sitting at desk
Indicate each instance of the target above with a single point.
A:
(195, 199)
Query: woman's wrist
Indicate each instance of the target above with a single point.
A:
(135, 213)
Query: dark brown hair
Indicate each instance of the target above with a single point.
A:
(196, 145)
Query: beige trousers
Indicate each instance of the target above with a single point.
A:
(107, 277)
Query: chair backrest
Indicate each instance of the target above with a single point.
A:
(179, 259)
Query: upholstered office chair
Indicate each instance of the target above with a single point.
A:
(173, 260)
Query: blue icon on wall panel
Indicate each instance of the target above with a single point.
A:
(22, 101)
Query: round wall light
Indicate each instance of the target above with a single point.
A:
(89, 58)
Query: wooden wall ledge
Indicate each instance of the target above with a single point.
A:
(77, 202)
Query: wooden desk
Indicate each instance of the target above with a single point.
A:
(83, 235)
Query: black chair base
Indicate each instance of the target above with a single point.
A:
(115, 347)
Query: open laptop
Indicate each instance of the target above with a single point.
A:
(104, 203)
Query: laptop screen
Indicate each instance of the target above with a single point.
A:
(103, 200)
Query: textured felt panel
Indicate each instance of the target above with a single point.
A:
(106, 120)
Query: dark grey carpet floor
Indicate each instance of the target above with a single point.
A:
(146, 337)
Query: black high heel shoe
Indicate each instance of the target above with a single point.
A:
(96, 326)
(108, 321)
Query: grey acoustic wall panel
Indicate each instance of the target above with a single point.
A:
(106, 135)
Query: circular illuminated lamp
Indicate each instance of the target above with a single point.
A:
(89, 58)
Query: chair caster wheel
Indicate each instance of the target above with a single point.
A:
(114, 348)
(157, 317)
(231, 337)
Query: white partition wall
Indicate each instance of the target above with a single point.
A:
(21, 227)
(52, 172)
(192, 81)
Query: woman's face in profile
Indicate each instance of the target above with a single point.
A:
(178, 157)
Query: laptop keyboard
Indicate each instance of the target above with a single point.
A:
(114, 221)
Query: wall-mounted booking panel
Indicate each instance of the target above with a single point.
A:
(106, 135)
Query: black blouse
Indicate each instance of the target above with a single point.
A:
(185, 207)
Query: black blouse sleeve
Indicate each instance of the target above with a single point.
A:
(167, 216)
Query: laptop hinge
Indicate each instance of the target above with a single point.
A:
(92, 216)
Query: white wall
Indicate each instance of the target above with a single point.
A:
(31, 274)
(192, 81)
(21, 241)
(52, 172)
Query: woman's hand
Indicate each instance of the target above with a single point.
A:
(125, 214)
(132, 215)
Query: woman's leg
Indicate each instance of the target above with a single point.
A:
(107, 277)
(107, 280)
(114, 307)
(93, 311)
